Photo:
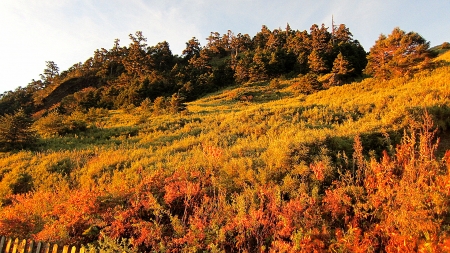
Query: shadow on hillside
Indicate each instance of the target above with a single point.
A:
(373, 144)
(441, 119)
(93, 137)
(67, 88)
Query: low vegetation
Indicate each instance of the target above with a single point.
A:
(283, 164)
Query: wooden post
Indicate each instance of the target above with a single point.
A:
(55, 248)
(16, 245)
(22, 245)
(38, 247)
(47, 248)
(30, 247)
(8, 245)
(2, 244)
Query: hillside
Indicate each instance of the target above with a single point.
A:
(127, 75)
(288, 141)
(249, 167)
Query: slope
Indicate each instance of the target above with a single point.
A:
(232, 172)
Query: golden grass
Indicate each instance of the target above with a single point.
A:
(257, 137)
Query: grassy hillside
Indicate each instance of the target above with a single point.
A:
(180, 181)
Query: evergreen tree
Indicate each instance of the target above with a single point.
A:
(320, 39)
(261, 38)
(192, 49)
(50, 72)
(137, 61)
(298, 45)
(15, 131)
(342, 34)
(258, 68)
(316, 63)
(161, 57)
(341, 66)
(397, 54)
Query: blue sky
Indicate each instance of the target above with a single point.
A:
(69, 31)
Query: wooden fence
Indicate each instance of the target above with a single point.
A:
(8, 245)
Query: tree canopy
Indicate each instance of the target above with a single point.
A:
(397, 54)
(125, 75)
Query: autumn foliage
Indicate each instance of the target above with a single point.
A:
(398, 203)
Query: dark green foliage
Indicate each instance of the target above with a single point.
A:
(12, 101)
(16, 132)
(23, 184)
(127, 75)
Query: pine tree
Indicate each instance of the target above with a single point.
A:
(15, 131)
(341, 66)
(397, 54)
(316, 63)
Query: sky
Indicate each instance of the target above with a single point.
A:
(69, 31)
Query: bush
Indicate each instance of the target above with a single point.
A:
(56, 124)
(50, 125)
(306, 84)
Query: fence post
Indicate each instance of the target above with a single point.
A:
(8, 245)
(21, 246)
(30, 247)
(47, 248)
(2, 244)
(55, 248)
(38, 248)
(16, 245)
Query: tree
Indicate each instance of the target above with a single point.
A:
(193, 48)
(15, 131)
(299, 45)
(397, 54)
(320, 38)
(215, 43)
(176, 103)
(159, 105)
(341, 66)
(316, 63)
(161, 56)
(137, 61)
(261, 38)
(240, 43)
(258, 68)
(342, 34)
(50, 72)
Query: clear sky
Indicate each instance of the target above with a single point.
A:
(69, 31)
